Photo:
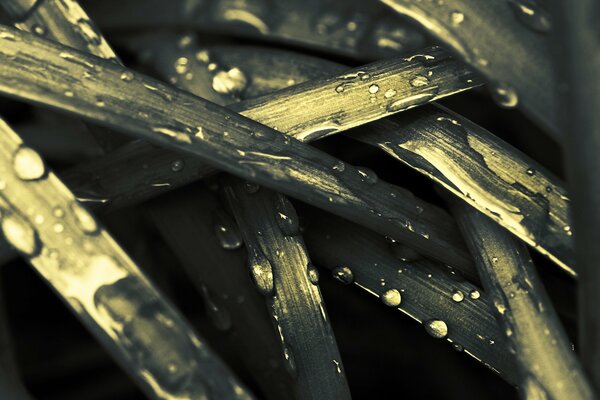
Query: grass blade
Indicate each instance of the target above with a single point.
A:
(238, 145)
(548, 367)
(101, 284)
(282, 271)
(577, 35)
(428, 293)
(187, 220)
(504, 40)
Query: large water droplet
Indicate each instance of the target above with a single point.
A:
(229, 82)
(344, 275)
(28, 165)
(20, 234)
(436, 328)
(458, 296)
(474, 294)
(391, 298)
(226, 230)
(262, 271)
(84, 220)
(505, 96)
(287, 219)
(373, 89)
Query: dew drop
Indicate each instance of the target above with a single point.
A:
(436, 328)
(505, 96)
(226, 230)
(339, 167)
(127, 76)
(20, 234)
(458, 296)
(367, 175)
(390, 93)
(182, 65)
(229, 82)
(261, 271)
(391, 298)
(203, 56)
(39, 30)
(177, 165)
(344, 275)
(373, 89)
(287, 219)
(419, 81)
(313, 274)
(339, 88)
(530, 14)
(474, 294)
(84, 220)
(69, 93)
(28, 165)
(457, 18)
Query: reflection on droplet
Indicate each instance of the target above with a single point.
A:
(505, 96)
(313, 274)
(226, 230)
(391, 298)
(373, 89)
(344, 275)
(28, 165)
(20, 234)
(458, 296)
(261, 271)
(436, 328)
(474, 294)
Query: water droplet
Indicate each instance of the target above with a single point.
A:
(313, 274)
(182, 65)
(287, 219)
(474, 294)
(457, 18)
(339, 88)
(344, 275)
(391, 298)
(127, 76)
(367, 175)
(500, 307)
(58, 227)
(567, 229)
(530, 171)
(494, 259)
(28, 165)
(177, 165)
(373, 89)
(203, 56)
(390, 93)
(261, 271)
(229, 82)
(226, 230)
(532, 15)
(58, 212)
(84, 220)
(100, 103)
(505, 96)
(457, 347)
(339, 166)
(458, 296)
(419, 81)
(20, 234)
(410, 102)
(436, 328)
(39, 30)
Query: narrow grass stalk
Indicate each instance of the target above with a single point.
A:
(368, 32)
(101, 284)
(282, 272)
(577, 37)
(547, 365)
(210, 249)
(507, 41)
(446, 304)
(149, 109)
(67, 23)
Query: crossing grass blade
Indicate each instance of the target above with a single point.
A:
(211, 251)
(448, 306)
(548, 367)
(282, 271)
(115, 97)
(101, 284)
(506, 41)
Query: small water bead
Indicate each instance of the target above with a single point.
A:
(182, 65)
(567, 229)
(389, 93)
(436, 328)
(203, 56)
(339, 167)
(530, 14)
(58, 212)
(373, 89)
(367, 175)
(474, 294)
(100, 103)
(58, 227)
(505, 96)
(69, 93)
(287, 219)
(457, 18)
(530, 171)
(391, 298)
(339, 88)
(458, 296)
(457, 347)
(20, 234)
(494, 259)
(177, 165)
(229, 82)
(344, 275)
(419, 81)
(261, 271)
(38, 29)
(28, 165)
(84, 220)
(226, 230)
(127, 76)
(313, 274)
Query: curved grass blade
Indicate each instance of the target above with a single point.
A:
(448, 306)
(191, 223)
(548, 367)
(227, 140)
(352, 28)
(507, 41)
(101, 284)
(282, 272)
(577, 35)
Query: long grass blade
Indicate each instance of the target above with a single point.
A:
(507, 41)
(548, 367)
(227, 140)
(448, 306)
(283, 273)
(101, 284)
(210, 249)
(577, 36)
